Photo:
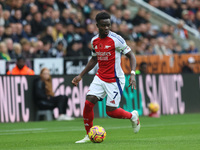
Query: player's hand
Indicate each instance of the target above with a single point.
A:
(76, 80)
(132, 82)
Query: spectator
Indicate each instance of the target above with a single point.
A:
(2, 22)
(154, 31)
(117, 17)
(84, 8)
(19, 33)
(71, 35)
(39, 49)
(53, 4)
(124, 5)
(96, 4)
(8, 32)
(9, 45)
(160, 48)
(197, 21)
(33, 9)
(46, 19)
(48, 35)
(37, 24)
(180, 31)
(45, 98)
(55, 16)
(78, 20)
(57, 31)
(140, 17)
(164, 31)
(17, 18)
(192, 48)
(89, 33)
(123, 30)
(41, 5)
(2, 30)
(17, 48)
(92, 17)
(115, 28)
(62, 4)
(127, 16)
(75, 49)
(4, 52)
(46, 48)
(26, 48)
(59, 48)
(21, 68)
(27, 32)
(6, 16)
(178, 49)
(189, 66)
(65, 18)
(186, 17)
(142, 68)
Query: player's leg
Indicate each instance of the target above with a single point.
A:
(88, 116)
(95, 92)
(88, 113)
(120, 113)
(114, 93)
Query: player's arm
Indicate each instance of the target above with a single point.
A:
(132, 59)
(90, 65)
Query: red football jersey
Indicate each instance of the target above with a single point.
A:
(108, 51)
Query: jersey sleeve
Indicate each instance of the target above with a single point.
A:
(121, 45)
(93, 51)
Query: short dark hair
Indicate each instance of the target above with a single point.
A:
(102, 15)
(21, 57)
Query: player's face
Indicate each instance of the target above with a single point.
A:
(104, 26)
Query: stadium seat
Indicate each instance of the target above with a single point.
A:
(47, 114)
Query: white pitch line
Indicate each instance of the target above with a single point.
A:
(47, 130)
(31, 129)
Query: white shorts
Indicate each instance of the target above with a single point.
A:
(113, 90)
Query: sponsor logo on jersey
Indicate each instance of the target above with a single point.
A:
(103, 53)
(107, 46)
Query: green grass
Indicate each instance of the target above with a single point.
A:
(177, 132)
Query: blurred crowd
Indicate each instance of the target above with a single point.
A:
(187, 10)
(64, 28)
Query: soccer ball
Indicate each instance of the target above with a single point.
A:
(153, 107)
(97, 134)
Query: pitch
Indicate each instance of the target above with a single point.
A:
(176, 132)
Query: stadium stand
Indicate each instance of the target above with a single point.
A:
(64, 28)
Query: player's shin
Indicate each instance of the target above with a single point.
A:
(88, 115)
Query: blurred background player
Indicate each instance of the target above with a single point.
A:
(109, 79)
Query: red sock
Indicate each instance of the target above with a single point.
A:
(119, 113)
(88, 115)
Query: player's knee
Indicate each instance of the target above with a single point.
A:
(91, 98)
(109, 113)
(109, 108)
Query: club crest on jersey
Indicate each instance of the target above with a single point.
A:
(101, 46)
